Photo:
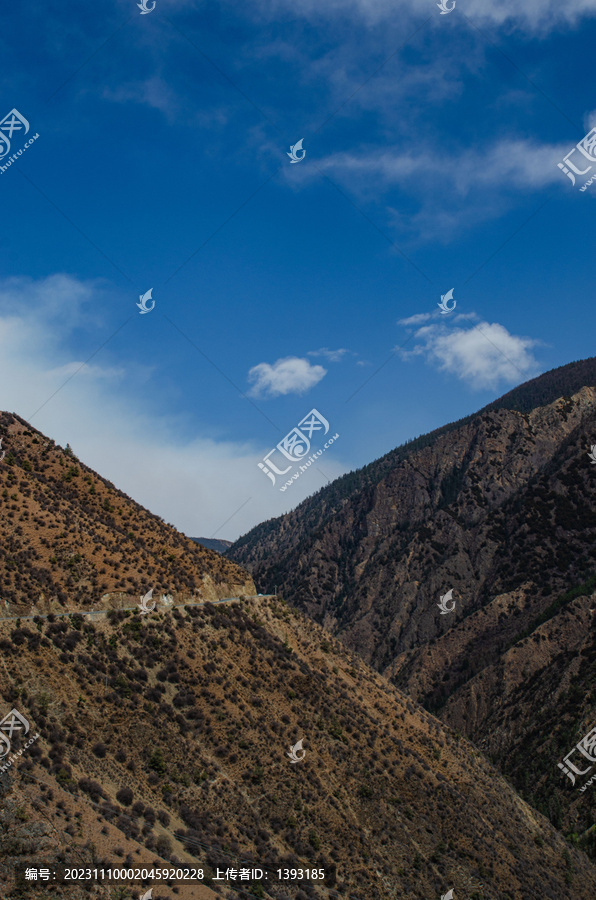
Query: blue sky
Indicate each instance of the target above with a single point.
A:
(432, 144)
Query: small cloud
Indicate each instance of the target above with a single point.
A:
(291, 375)
(331, 355)
(590, 120)
(484, 355)
(415, 320)
(462, 317)
(419, 318)
(153, 92)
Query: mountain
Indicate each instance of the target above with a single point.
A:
(70, 539)
(236, 734)
(219, 546)
(499, 509)
(166, 738)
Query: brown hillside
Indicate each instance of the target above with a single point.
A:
(199, 711)
(71, 540)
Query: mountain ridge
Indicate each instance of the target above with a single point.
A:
(501, 511)
(561, 381)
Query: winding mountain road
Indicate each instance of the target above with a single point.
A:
(103, 612)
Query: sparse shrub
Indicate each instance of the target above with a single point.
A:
(257, 774)
(157, 762)
(124, 796)
(92, 788)
(163, 845)
(314, 840)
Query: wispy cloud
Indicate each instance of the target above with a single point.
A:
(447, 192)
(58, 298)
(153, 92)
(291, 375)
(532, 15)
(506, 162)
(331, 355)
(417, 319)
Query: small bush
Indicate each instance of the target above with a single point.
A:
(124, 796)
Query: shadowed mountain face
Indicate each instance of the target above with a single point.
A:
(71, 540)
(499, 509)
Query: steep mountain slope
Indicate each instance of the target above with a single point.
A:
(500, 510)
(530, 707)
(70, 538)
(543, 537)
(183, 756)
(441, 519)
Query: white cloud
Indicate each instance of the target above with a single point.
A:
(449, 192)
(484, 355)
(331, 355)
(589, 120)
(58, 299)
(419, 318)
(506, 162)
(415, 320)
(462, 317)
(197, 484)
(153, 92)
(291, 375)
